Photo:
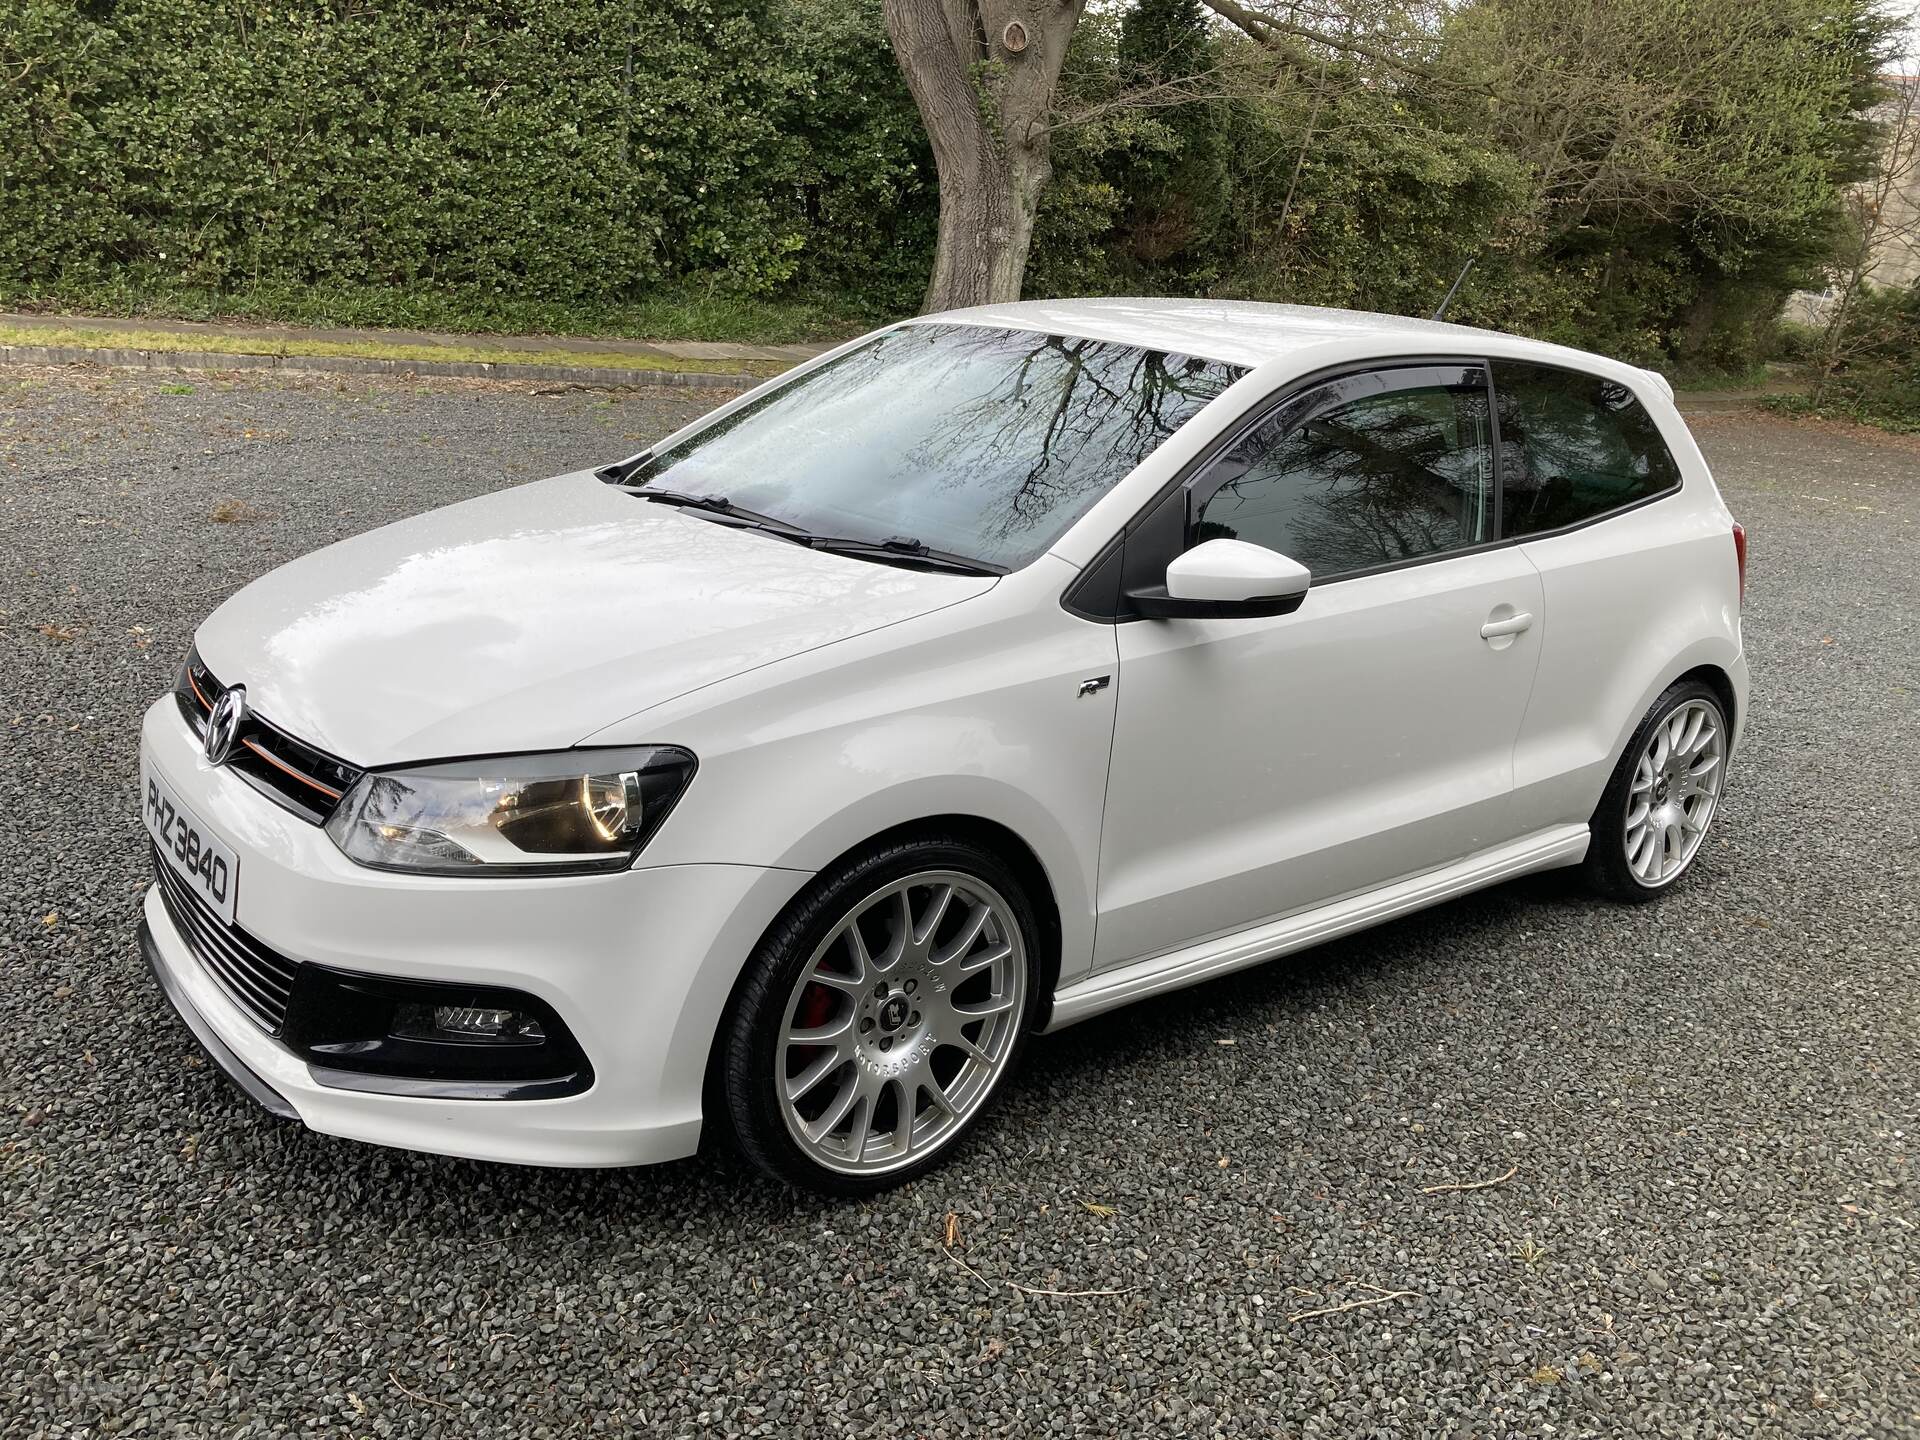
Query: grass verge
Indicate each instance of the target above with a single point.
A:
(683, 312)
(1755, 377)
(1893, 421)
(477, 352)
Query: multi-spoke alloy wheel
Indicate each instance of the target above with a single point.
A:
(1676, 783)
(901, 1023)
(881, 1014)
(1663, 795)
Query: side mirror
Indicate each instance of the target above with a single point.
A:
(1226, 579)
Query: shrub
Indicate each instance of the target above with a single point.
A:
(1877, 361)
(545, 150)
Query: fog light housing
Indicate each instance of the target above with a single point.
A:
(466, 1025)
(428, 1038)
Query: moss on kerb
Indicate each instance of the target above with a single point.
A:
(174, 342)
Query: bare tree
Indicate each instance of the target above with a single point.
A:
(985, 76)
(1881, 235)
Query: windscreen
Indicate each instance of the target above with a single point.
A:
(979, 442)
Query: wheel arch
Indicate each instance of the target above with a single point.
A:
(1721, 683)
(1712, 662)
(1609, 866)
(992, 835)
(1003, 841)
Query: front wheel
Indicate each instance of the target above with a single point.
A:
(1662, 797)
(880, 1016)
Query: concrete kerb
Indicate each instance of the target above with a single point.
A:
(605, 376)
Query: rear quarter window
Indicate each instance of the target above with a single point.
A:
(1573, 447)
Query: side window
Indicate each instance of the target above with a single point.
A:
(1573, 446)
(1374, 481)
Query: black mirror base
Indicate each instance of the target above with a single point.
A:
(1154, 602)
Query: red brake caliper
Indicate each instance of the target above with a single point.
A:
(816, 1007)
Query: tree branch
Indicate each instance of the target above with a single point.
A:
(1198, 88)
(1287, 38)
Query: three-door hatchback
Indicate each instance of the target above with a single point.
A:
(989, 672)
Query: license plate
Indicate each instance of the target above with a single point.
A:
(210, 869)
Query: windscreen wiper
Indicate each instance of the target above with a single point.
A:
(894, 550)
(720, 508)
(718, 503)
(900, 550)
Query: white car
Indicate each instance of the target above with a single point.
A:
(992, 671)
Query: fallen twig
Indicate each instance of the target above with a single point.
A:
(415, 1394)
(1470, 1185)
(1067, 1294)
(1028, 1289)
(968, 1268)
(1380, 1297)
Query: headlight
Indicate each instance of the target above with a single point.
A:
(564, 813)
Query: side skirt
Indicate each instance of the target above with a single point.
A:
(1177, 969)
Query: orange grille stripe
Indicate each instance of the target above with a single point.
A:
(277, 762)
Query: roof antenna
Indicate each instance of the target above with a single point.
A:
(1440, 314)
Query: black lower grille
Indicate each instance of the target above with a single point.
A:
(253, 977)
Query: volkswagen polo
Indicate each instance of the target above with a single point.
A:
(989, 672)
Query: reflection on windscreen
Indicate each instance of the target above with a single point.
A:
(984, 443)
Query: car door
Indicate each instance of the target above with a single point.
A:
(1261, 766)
(1632, 575)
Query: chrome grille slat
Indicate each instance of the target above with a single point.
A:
(256, 979)
(269, 990)
(235, 982)
(263, 1006)
(221, 953)
(209, 929)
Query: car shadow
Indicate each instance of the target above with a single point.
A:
(717, 1192)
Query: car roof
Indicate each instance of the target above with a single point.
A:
(1251, 333)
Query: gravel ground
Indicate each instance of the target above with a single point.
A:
(1707, 1106)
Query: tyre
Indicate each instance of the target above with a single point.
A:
(1662, 796)
(880, 1016)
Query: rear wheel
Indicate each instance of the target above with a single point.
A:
(1662, 797)
(880, 1016)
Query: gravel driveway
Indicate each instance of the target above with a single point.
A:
(1210, 1215)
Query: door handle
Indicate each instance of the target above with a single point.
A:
(1512, 625)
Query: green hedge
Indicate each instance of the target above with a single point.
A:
(644, 164)
(547, 149)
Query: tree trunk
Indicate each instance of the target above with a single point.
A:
(983, 73)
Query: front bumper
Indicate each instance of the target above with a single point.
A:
(251, 1085)
(639, 965)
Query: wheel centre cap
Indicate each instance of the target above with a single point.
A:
(893, 1014)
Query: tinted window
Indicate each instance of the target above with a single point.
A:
(1374, 481)
(985, 443)
(1573, 446)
